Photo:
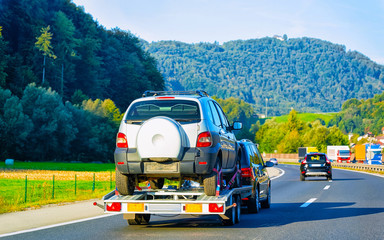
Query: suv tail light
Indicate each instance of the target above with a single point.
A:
(304, 161)
(121, 141)
(246, 172)
(204, 140)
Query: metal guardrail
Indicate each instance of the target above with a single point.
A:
(357, 166)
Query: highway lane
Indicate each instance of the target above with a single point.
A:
(349, 207)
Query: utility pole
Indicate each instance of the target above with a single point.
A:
(266, 107)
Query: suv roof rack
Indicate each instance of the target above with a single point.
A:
(201, 93)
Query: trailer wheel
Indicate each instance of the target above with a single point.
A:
(238, 209)
(267, 202)
(210, 182)
(125, 184)
(140, 219)
(230, 214)
(254, 203)
(157, 184)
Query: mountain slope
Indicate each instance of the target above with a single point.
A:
(307, 74)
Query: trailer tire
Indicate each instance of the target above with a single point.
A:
(210, 182)
(157, 184)
(140, 219)
(254, 203)
(125, 184)
(230, 214)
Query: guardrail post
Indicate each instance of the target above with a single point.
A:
(75, 184)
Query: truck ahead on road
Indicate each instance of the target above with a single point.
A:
(373, 154)
(339, 153)
(304, 150)
(360, 153)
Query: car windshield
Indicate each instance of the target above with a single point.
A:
(316, 158)
(179, 110)
(344, 152)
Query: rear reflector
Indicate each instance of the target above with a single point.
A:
(194, 208)
(114, 207)
(303, 172)
(202, 163)
(120, 163)
(214, 207)
(135, 207)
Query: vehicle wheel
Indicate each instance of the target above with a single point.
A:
(267, 202)
(302, 177)
(329, 177)
(157, 184)
(210, 182)
(140, 219)
(125, 184)
(238, 209)
(254, 203)
(230, 214)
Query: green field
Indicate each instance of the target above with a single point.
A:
(21, 194)
(61, 166)
(308, 117)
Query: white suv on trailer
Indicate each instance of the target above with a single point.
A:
(178, 136)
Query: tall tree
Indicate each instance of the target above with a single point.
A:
(44, 45)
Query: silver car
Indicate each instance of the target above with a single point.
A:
(178, 136)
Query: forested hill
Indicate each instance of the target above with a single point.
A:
(80, 53)
(307, 74)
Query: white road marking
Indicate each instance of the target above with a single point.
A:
(327, 187)
(307, 203)
(282, 172)
(57, 225)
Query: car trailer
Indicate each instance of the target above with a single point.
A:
(138, 208)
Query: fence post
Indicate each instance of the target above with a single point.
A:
(93, 186)
(26, 184)
(110, 179)
(75, 184)
(53, 187)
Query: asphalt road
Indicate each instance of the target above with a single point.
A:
(349, 207)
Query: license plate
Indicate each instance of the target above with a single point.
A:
(154, 167)
(316, 165)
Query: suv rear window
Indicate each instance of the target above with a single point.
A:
(316, 158)
(179, 110)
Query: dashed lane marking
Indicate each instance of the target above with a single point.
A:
(307, 203)
(327, 187)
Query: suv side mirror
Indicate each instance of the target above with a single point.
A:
(269, 164)
(237, 125)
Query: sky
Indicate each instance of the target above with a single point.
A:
(357, 24)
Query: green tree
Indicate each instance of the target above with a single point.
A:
(44, 45)
(53, 124)
(65, 45)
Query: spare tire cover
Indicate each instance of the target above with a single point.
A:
(161, 138)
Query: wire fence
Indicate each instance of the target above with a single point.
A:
(21, 189)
